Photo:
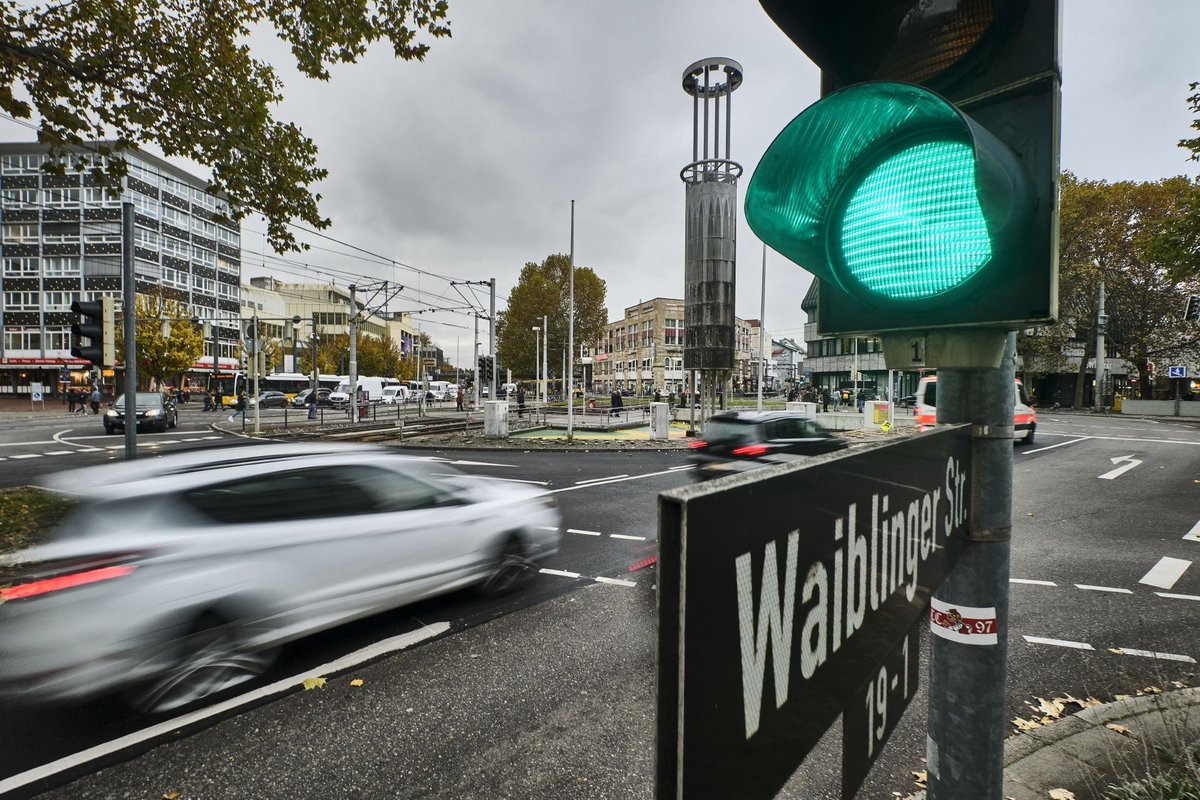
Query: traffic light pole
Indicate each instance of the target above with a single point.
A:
(129, 302)
(965, 744)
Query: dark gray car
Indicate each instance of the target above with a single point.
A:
(736, 441)
(153, 410)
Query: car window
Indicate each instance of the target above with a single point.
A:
(300, 494)
(395, 491)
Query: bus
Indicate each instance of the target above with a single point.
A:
(225, 388)
(228, 385)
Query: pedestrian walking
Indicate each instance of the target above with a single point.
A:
(72, 399)
(240, 408)
(458, 400)
(313, 398)
(657, 396)
(96, 398)
(520, 401)
(615, 403)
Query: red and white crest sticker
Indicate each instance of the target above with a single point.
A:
(962, 624)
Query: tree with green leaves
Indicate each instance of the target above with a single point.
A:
(169, 342)
(544, 290)
(180, 74)
(1110, 232)
(380, 357)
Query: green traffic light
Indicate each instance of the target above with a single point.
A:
(913, 228)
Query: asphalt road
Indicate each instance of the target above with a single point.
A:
(550, 693)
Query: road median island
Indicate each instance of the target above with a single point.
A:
(27, 514)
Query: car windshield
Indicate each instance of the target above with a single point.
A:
(728, 429)
(142, 399)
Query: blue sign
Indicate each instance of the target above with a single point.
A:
(1176, 372)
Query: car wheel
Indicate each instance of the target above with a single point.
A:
(510, 570)
(108, 429)
(209, 658)
(1029, 436)
(173, 422)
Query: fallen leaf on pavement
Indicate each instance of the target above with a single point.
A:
(1026, 724)
(1062, 794)
(170, 795)
(921, 777)
(1121, 729)
(356, 682)
(313, 683)
(1151, 690)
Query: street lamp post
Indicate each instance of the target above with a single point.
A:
(537, 360)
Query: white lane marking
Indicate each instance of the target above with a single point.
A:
(1091, 588)
(624, 536)
(606, 478)
(1194, 534)
(166, 441)
(615, 581)
(615, 480)
(444, 460)
(73, 452)
(26, 455)
(584, 533)
(546, 528)
(1122, 438)
(1165, 572)
(194, 439)
(1126, 651)
(1060, 444)
(28, 444)
(1178, 596)
(210, 438)
(560, 572)
(172, 725)
(115, 447)
(1032, 582)
(1119, 471)
(90, 450)
(684, 466)
(491, 478)
(1058, 642)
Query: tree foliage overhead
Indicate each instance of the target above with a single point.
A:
(1109, 231)
(380, 357)
(544, 290)
(1178, 240)
(180, 74)
(163, 358)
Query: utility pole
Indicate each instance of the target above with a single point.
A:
(545, 359)
(762, 325)
(353, 377)
(492, 336)
(315, 374)
(256, 344)
(129, 301)
(571, 338)
(475, 401)
(1101, 327)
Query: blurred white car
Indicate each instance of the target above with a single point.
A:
(179, 577)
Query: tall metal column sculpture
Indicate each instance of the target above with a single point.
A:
(710, 252)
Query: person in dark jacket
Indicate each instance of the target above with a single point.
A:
(616, 403)
(241, 407)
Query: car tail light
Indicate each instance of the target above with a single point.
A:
(697, 444)
(751, 450)
(46, 579)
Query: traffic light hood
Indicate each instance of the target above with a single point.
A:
(889, 191)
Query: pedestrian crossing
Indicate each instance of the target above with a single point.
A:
(142, 443)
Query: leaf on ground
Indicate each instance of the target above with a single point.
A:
(170, 795)
(1121, 729)
(1026, 724)
(1120, 697)
(1053, 708)
(1062, 794)
(921, 777)
(356, 682)
(1116, 650)
(1150, 690)
(313, 683)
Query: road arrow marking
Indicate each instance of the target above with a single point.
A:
(1119, 471)
(1194, 534)
(1166, 572)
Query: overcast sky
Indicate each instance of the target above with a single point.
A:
(465, 165)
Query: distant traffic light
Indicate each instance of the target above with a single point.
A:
(922, 189)
(96, 322)
(1191, 311)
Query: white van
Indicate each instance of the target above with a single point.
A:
(394, 393)
(1024, 417)
(373, 387)
(439, 389)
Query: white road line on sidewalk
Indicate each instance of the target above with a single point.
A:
(1126, 651)
(1170, 596)
(613, 480)
(1194, 534)
(1060, 444)
(1058, 642)
(560, 572)
(606, 478)
(584, 533)
(172, 725)
(1102, 589)
(624, 536)
(1165, 572)
(1032, 582)
(615, 581)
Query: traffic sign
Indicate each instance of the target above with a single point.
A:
(1176, 372)
(766, 637)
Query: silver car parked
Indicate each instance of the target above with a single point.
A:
(179, 577)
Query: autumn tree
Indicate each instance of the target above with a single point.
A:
(1109, 232)
(180, 74)
(169, 342)
(1177, 242)
(544, 290)
(375, 356)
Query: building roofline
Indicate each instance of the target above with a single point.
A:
(10, 148)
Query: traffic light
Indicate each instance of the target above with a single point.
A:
(922, 189)
(1191, 312)
(96, 322)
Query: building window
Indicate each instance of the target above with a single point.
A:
(61, 266)
(231, 238)
(175, 247)
(19, 233)
(22, 338)
(225, 265)
(175, 278)
(204, 199)
(60, 198)
(143, 173)
(227, 291)
(25, 164)
(61, 234)
(21, 198)
(204, 285)
(147, 269)
(60, 301)
(173, 216)
(22, 301)
(144, 237)
(96, 196)
(143, 204)
(20, 267)
(176, 187)
(204, 227)
(205, 257)
(102, 233)
(58, 339)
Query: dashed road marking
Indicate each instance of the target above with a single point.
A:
(584, 533)
(1112, 589)
(606, 478)
(1031, 582)
(1166, 572)
(1060, 444)
(1179, 596)
(624, 536)
(1058, 642)
(26, 455)
(615, 581)
(1194, 534)
(560, 572)
(73, 452)
(1126, 651)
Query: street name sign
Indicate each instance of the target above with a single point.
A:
(789, 594)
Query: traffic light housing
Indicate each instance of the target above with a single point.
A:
(922, 189)
(1191, 311)
(95, 321)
